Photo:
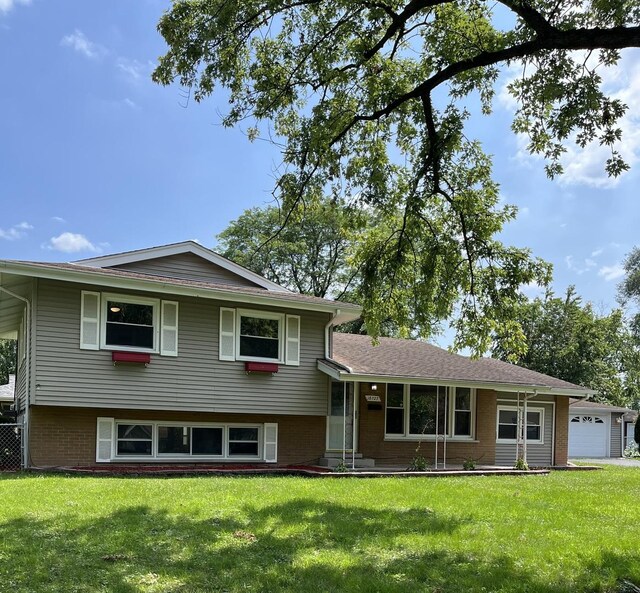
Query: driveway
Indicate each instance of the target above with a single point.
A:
(607, 461)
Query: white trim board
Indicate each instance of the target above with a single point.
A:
(107, 261)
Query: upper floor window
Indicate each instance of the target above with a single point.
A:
(130, 324)
(260, 335)
(124, 322)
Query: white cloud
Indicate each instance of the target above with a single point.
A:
(611, 272)
(585, 166)
(71, 243)
(17, 231)
(7, 5)
(133, 68)
(129, 103)
(58, 219)
(579, 267)
(78, 42)
(597, 252)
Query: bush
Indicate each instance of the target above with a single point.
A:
(341, 468)
(632, 451)
(418, 464)
(521, 464)
(469, 464)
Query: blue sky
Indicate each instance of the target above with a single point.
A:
(95, 158)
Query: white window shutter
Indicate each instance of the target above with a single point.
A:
(227, 345)
(169, 329)
(293, 340)
(104, 439)
(271, 443)
(90, 321)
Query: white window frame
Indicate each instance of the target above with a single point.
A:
(117, 439)
(453, 409)
(279, 317)
(406, 435)
(134, 300)
(156, 456)
(530, 409)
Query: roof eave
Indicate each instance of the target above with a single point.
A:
(496, 386)
(85, 275)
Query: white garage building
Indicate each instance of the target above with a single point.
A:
(599, 430)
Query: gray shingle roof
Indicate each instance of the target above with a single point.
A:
(419, 360)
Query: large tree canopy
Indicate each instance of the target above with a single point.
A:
(569, 340)
(310, 253)
(368, 102)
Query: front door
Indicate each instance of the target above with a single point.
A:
(340, 421)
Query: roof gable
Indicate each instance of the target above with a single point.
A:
(135, 260)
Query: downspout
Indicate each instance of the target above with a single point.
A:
(27, 379)
(327, 329)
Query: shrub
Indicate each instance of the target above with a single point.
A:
(469, 464)
(341, 468)
(521, 465)
(418, 464)
(632, 451)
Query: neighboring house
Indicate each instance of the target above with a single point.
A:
(6, 395)
(599, 430)
(175, 354)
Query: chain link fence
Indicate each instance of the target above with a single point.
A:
(10, 446)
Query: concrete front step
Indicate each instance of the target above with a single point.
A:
(360, 462)
(338, 455)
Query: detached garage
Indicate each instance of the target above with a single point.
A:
(597, 430)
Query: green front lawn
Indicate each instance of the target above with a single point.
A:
(569, 531)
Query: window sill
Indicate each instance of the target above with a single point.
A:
(513, 442)
(416, 439)
(112, 348)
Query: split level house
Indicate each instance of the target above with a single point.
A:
(175, 354)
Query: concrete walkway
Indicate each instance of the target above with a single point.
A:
(607, 461)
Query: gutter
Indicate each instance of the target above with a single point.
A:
(27, 374)
(506, 387)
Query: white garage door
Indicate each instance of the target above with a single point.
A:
(587, 436)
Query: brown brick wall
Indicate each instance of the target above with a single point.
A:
(372, 443)
(65, 436)
(562, 430)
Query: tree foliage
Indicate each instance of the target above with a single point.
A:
(368, 102)
(629, 288)
(569, 340)
(309, 253)
(8, 355)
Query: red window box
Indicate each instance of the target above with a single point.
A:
(260, 367)
(134, 357)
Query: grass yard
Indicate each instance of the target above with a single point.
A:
(569, 531)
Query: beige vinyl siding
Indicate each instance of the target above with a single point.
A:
(536, 454)
(616, 436)
(195, 380)
(22, 369)
(187, 266)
